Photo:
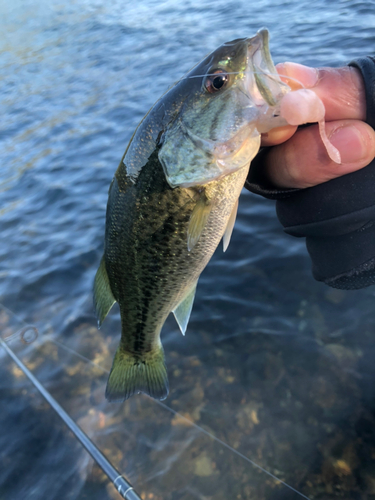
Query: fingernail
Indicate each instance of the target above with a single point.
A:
(350, 142)
(307, 76)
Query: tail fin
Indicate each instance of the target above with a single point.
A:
(132, 374)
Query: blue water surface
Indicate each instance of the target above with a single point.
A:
(275, 365)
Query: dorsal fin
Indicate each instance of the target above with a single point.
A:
(183, 310)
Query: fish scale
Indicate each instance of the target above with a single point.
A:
(162, 268)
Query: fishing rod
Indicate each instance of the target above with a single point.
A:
(121, 484)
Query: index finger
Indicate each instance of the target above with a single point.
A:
(341, 89)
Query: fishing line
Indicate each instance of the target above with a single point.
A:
(124, 488)
(234, 450)
(218, 440)
(275, 75)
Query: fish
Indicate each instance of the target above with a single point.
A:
(174, 197)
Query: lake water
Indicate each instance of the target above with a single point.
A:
(272, 389)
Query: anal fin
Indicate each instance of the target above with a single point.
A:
(230, 226)
(103, 296)
(183, 310)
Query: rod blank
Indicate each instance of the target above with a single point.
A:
(121, 484)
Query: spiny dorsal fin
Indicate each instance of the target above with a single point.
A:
(103, 297)
(198, 220)
(230, 226)
(183, 310)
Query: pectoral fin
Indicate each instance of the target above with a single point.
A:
(103, 297)
(230, 226)
(183, 310)
(198, 221)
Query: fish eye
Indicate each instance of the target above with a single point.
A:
(216, 80)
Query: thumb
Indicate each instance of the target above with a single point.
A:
(303, 162)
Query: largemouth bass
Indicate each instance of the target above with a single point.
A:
(173, 198)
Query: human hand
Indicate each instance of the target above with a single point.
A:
(299, 158)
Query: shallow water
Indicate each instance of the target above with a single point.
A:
(276, 369)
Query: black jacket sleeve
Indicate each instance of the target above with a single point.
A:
(337, 217)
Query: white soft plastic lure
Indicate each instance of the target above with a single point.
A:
(304, 106)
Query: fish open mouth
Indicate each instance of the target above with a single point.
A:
(263, 81)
